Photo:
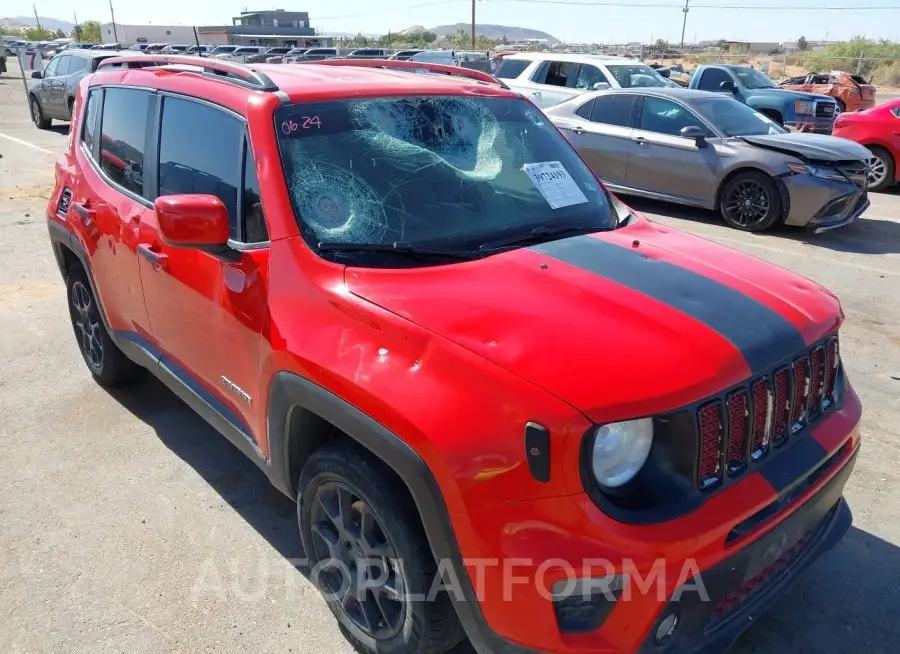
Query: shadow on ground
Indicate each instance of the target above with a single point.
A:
(847, 602)
(865, 236)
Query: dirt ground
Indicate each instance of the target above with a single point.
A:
(128, 525)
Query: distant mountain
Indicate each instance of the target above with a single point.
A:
(415, 29)
(512, 34)
(46, 23)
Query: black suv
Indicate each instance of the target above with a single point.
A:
(52, 96)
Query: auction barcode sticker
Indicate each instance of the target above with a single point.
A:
(554, 183)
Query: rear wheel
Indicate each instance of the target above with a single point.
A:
(750, 201)
(369, 555)
(107, 363)
(881, 169)
(37, 114)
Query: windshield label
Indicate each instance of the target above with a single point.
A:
(555, 184)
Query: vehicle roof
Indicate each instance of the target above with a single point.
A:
(87, 54)
(574, 58)
(668, 91)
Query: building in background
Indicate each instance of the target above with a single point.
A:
(266, 28)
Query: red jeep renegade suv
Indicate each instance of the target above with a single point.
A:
(509, 408)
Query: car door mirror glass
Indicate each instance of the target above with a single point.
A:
(37, 75)
(600, 86)
(192, 221)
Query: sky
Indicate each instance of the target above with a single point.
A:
(616, 21)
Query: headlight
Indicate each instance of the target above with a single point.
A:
(620, 451)
(803, 107)
(818, 171)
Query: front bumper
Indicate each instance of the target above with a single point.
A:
(822, 204)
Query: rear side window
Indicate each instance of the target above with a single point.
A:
(511, 68)
(76, 65)
(559, 73)
(63, 66)
(584, 111)
(90, 120)
(200, 152)
(122, 137)
(613, 109)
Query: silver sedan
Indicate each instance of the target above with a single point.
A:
(708, 150)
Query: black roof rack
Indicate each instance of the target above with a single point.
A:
(223, 70)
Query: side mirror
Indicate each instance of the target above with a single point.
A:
(37, 75)
(694, 133)
(600, 86)
(192, 221)
(728, 86)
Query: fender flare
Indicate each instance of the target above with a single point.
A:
(60, 238)
(289, 391)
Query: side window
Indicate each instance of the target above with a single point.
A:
(63, 67)
(666, 117)
(511, 68)
(712, 79)
(559, 73)
(76, 65)
(613, 109)
(200, 152)
(123, 132)
(254, 220)
(90, 120)
(52, 67)
(584, 111)
(588, 76)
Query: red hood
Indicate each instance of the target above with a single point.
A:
(614, 328)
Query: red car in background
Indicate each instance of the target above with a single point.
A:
(879, 130)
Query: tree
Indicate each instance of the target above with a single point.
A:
(37, 34)
(59, 34)
(660, 45)
(429, 37)
(802, 44)
(91, 31)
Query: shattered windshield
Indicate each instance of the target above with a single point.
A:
(636, 76)
(438, 172)
(754, 79)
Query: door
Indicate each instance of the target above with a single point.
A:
(553, 82)
(56, 101)
(661, 161)
(44, 88)
(601, 132)
(109, 200)
(77, 70)
(206, 311)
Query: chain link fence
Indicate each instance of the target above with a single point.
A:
(13, 101)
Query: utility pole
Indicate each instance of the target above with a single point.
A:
(473, 24)
(112, 15)
(77, 29)
(684, 23)
(38, 20)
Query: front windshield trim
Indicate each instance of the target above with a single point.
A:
(442, 172)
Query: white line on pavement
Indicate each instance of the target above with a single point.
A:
(806, 255)
(25, 143)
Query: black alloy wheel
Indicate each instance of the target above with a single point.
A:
(750, 202)
(360, 566)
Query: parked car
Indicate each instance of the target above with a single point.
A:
(807, 112)
(240, 54)
(290, 58)
(368, 53)
(52, 96)
(200, 50)
(708, 150)
(550, 78)
(851, 92)
(176, 49)
(454, 345)
(264, 57)
(222, 50)
(404, 55)
(107, 46)
(318, 54)
(878, 129)
(153, 48)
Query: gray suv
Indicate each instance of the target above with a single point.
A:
(52, 94)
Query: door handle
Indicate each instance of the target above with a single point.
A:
(535, 93)
(640, 140)
(152, 253)
(578, 130)
(86, 214)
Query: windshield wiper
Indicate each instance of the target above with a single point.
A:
(401, 248)
(539, 235)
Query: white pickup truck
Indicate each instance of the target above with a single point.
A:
(548, 78)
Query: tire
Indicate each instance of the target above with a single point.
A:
(108, 365)
(37, 114)
(759, 190)
(396, 541)
(884, 165)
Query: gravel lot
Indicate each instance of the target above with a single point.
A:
(129, 525)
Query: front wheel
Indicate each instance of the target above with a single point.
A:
(369, 556)
(881, 169)
(750, 201)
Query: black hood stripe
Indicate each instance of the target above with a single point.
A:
(763, 336)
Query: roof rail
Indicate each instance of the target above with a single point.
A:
(224, 70)
(414, 66)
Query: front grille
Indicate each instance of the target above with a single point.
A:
(824, 109)
(764, 413)
(861, 200)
